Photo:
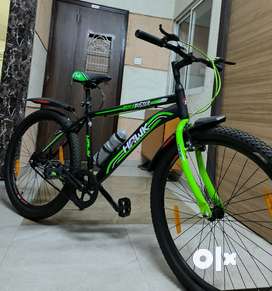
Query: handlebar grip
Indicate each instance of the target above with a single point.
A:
(149, 37)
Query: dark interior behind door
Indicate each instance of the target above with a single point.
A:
(90, 38)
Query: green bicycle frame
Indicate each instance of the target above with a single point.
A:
(188, 173)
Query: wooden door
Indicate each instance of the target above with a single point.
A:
(90, 38)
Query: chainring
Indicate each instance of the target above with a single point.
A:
(91, 189)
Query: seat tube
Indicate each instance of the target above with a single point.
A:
(88, 137)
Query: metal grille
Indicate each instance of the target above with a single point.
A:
(98, 53)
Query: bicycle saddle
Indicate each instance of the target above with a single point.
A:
(89, 80)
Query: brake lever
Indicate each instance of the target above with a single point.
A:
(168, 36)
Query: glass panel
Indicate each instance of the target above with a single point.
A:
(4, 13)
(98, 53)
(184, 36)
(200, 35)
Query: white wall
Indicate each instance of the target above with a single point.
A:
(140, 84)
(159, 8)
(37, 71)
(180, 6)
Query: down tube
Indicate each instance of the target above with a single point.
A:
(134, 140)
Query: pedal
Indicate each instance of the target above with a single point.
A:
(124, 207)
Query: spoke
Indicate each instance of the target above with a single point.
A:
(199, 242)
(252, 211)
(223, 253)
(32, 186)
(208, 249)
(182, 195)
(236, 184)
(221, 168)
(213, 229)
(187, 201)
(184, 188)
(196, 170)
(251, 239)
(230, 237)
(27, 183)
(257, 184)
(223, 259)
(227, 170)
(47, 181)
(247, 220)
(187, 219)
(187, 213)
(249, 177)
(252, 221)
(187, 229)
(241, 261)
(192, 237)
(23, 177)
(250, 255)
(250, 198)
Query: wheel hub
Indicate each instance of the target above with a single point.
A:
(217, 213)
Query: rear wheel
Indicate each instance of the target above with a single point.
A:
(33, 183)
(194, 246)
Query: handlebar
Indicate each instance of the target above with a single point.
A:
(178, 49)
(149, 38)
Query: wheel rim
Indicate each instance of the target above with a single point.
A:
(33, 183)
(245, 229)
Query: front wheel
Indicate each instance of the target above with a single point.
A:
(233, 250)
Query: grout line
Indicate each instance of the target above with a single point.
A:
(137, 258)
(8, 248)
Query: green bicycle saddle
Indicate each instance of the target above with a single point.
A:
(89, 80)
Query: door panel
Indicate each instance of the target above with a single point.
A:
(76, 25)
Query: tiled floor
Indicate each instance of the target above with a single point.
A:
(82, 250)
(95, 249)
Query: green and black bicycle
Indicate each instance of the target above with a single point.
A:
(213, 223)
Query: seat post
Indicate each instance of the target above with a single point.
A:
(88, 101)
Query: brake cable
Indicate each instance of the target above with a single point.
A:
(217, 78)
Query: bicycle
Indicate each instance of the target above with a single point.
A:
(195, 213)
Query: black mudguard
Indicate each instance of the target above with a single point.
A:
(199, 125)
(47, 102)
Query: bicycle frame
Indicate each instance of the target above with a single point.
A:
(156, 120)
(178, 110)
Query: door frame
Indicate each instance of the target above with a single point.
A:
(123, 47)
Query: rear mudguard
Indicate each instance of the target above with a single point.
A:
(200, 124)
(47, 102)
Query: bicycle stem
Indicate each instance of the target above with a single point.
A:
(185, 166)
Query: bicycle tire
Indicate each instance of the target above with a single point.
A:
(253, 148)
(27, 210)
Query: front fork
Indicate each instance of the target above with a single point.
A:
(202, 203)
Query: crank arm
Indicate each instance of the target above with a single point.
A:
(108, 197)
